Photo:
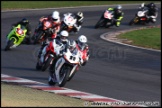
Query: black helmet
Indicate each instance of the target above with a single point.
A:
(25, 21)
(152, 5)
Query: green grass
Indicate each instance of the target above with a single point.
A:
(53, 4)
(149, 38)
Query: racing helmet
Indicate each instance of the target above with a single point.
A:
(142, 5)
(80, 14)
(118, 8)
(63, 35)
(152, 6)
(55, 15)
(82, 40)
(25, 21)
(71, 45)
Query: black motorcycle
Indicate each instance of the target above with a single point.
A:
(106, 20)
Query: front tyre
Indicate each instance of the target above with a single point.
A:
(99, 23)
(47, 63)
(133, 21)
(64, 75)
(9, 44)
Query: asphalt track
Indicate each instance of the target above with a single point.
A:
(115, 71)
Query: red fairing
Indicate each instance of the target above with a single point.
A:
(50, 47)
(143, 18)
(84, 52)
(54, 35)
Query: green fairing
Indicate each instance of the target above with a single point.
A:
(14, 34)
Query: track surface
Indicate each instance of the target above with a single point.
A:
(115, 71)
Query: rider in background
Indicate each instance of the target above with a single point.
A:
(152, 11)
(55, 18)
(80, 18)
(25, 22)
(118, 14)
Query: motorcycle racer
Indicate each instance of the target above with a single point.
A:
(25, 22)
(152, 11)
(71, 45)
(61, 40)
(83, 48)
(118, 15)
(55, 18)
(80, 18)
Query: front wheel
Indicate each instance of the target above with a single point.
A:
(133, 21)
(47, 63)
(9, 44)
(64, 75)
(99, 23)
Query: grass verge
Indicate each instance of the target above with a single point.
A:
(54, 4)
(149, 37)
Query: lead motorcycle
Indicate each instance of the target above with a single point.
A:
(44, 31)
(44, 62)
(65, 68)
(68, 22)
(106, 19)
(16, 37)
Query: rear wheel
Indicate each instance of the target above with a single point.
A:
(9, 44)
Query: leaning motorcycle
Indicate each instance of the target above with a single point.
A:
(106, 19)
(84, 54)
(68, 22)
(140, 17)
(16, 37)
(65, 68)
(49, 57)
(44, 31)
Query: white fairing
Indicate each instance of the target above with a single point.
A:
(69, 19)
(72, 58)
(141, 13)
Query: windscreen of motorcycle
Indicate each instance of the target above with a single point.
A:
(19, 32)
(47, 24)
(72, 57)
(108, 15)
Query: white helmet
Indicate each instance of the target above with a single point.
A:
(82, 39)
(63, 35)
(80, 14)
(119, 7)
(56, 15)
(142, 5)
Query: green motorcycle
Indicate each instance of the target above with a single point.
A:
(16, 37)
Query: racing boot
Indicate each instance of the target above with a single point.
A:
(52, 78)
